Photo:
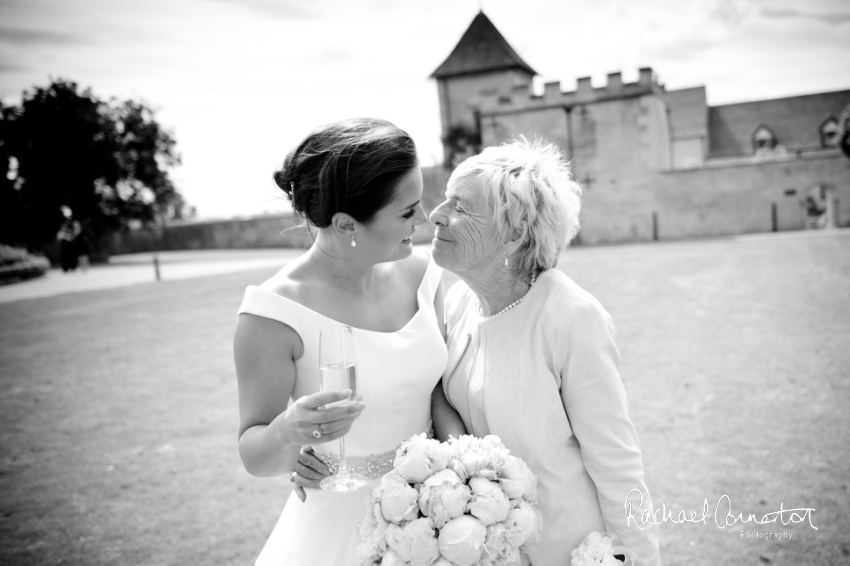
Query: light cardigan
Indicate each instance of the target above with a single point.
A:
(553, 394)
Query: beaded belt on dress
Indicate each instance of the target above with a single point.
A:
(373, 466)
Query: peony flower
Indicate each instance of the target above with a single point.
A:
(442, 497)
(478, 456)
(441, 561)
(524, 523)
(536, 531)
(419, 544)
(458, 469)
(495, 442)
(498, 548)
(420, 457)
(392, 559)
(398, 498)
(394, 538)
(372, 529)
(517, 479)
(597, 549)
(488, 502)
(462, 540)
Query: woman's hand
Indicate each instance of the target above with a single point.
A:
(308, 421)
(309, 472)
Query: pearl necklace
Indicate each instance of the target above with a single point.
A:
(513, 304)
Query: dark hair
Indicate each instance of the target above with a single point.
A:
(352, 166)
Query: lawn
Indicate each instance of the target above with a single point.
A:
(118, 409)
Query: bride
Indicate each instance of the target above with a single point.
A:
(358, 183)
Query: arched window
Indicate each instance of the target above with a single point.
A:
(829, 133)
(763, 139)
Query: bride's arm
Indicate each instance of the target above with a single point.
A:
(447, 421)
(270, 433)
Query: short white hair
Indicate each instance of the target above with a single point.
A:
(534, 198)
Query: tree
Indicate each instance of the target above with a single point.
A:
(107, 162)
(461, 141)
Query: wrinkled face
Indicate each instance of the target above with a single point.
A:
(388, 236)
(466, 238)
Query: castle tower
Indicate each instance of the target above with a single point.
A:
(481, 64)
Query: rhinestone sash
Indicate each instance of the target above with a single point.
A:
(372, 466)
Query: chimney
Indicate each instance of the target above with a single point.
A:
(584, 87)
(552, 91)
(645, 77)
(615, 82)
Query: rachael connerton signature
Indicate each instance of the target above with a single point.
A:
(723, 515)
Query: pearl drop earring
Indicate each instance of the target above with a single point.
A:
(353, 243)
(506, 259)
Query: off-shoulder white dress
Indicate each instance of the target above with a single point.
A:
(396, 373)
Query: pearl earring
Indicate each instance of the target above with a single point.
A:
(506, 259)
(353, 243)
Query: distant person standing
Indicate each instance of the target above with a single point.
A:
(81, 246)
(67, 244)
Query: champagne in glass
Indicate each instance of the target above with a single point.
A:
(338, 371)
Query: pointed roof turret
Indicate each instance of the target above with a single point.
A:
(481, 48)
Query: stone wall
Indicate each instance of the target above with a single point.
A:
(548, 123)
(263, 232)
(713, 201)
(619, 205)
(718, 200)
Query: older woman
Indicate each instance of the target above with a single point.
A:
(531, 354)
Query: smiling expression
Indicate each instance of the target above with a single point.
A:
(466, 236)
(388, 235)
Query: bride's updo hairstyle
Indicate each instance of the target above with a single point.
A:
(352, 166)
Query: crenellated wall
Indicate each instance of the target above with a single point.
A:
(641, 156)
(520, 97)
(615, 130)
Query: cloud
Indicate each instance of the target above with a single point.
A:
(10, 67)
(30, 36)
(679, 49)
(833, 19)
(275, 8)
(731, 13)
(334, 54)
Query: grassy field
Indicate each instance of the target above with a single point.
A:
(118, 408)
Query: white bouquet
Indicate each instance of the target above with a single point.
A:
(598, 549)
(457, 503)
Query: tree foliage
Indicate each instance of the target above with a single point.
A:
(107, 162)
(461, 141)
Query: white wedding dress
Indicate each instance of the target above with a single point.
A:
(396, 372)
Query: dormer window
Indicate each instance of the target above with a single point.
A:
(829, 133)
(763, 139)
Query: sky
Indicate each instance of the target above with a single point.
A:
(240, 82)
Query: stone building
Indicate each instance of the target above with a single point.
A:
(653, 163)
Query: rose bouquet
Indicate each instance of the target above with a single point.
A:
(462, 502)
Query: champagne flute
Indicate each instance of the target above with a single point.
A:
(338, 371)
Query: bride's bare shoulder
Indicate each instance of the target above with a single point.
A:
(288, 281)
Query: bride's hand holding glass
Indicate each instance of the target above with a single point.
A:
(308, 421)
